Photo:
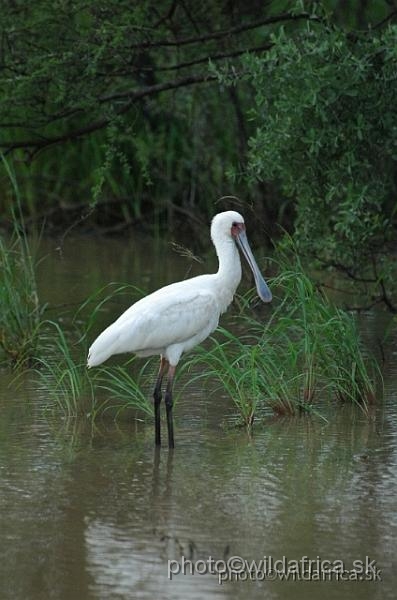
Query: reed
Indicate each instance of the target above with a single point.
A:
(62, 365)
(75, 390)
(62, 372)
(306, 352)
(21, 311)
(126, 388)
(233, 365)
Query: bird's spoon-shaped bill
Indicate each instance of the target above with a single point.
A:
(262, 288)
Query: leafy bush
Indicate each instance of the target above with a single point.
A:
(326, 133)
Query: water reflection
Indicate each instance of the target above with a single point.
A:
(98, 506)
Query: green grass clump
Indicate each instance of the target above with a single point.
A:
(125, 389)
(350, 371)
(307, 351)
(62, 371)
(234, 365)
(21, 312)
(62, 366)
(75, 389)
(322, 342)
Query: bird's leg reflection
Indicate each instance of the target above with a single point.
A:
(168, 406)
(156, 470)
(156, 473)
(157, 399)
(161, 493)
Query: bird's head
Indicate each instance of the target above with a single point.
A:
(229, 226)
(226, 225)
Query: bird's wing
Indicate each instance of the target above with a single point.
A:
(170, 317)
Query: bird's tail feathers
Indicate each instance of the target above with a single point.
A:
(103, 347)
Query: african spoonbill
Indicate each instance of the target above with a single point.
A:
(177, 317)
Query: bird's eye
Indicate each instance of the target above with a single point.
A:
(234, 224)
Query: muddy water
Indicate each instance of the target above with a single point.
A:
(92, 512)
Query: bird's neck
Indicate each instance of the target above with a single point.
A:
(229, 271)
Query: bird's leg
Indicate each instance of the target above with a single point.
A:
(157, 399)
(168, 406)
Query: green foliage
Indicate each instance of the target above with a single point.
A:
(75, 390)
(327, 134)
(323, 340)
(80, 79)
(234, 365)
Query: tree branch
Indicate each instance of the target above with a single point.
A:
(226, 32)
(131, 96)
(220, 56)
(72, 112)
(127, 97)
(349, 272)
(389, 17)
(159, 87)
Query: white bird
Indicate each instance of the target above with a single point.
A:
(179, 316)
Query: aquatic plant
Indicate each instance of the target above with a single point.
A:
(125, 388)
(307, 351)
(233, 365)
(74, 389)
(61, 369)
(62, 365)
(21, 311)
(350, 371)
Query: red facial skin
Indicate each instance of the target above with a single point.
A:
(237, 228)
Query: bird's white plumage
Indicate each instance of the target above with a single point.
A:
(179, 316)
(161, 323)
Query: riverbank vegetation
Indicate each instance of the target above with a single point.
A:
(116, 116)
